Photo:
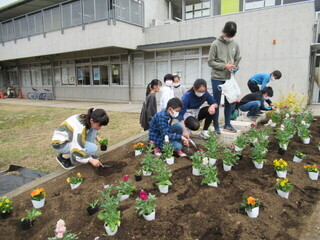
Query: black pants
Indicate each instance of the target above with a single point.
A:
(255, 88)
(193, 124)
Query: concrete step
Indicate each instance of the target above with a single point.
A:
(224, 139)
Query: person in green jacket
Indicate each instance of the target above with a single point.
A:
(223, 55)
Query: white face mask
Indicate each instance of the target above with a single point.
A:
(199, 94)
(266, 98)
(176, 84)
(174, 114)
(272, 78)
(169, 83)
(227, 39)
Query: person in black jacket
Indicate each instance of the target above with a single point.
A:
(253, 102)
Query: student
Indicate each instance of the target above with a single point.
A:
(223, 54)
(160, 126)
(166, 91)
(74, 138)
(253, 102)
(178, 89)
(191, 113)
(262, 79)
(149, 107)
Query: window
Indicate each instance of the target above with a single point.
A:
(67, 75)
(83, 75)
(177, 68)
(100, 75)
(88, 11)
(162, 69)
(192, 71)
(57, 76)
(25, 75)
(36, 75)
(138, 74)
(46, 76)
(116, 76)
(197, 8)
(149, 71)
(205, 71)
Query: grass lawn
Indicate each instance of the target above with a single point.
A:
(26, 132)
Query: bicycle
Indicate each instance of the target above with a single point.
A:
(33, 95)
(46, 95)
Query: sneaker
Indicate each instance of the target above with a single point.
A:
(205, 134)
(64, 162)
(157, 152)
(180, 154)
(217, 130)
(229, 129)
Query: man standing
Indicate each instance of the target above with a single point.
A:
(223, 55)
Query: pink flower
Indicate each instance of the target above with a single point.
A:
(143, 195)
(60, 229)
(253, 125)
(286, 106)
(255, 141)
(125, 178)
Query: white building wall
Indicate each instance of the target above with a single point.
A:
(95, 35)
(155, 9)
(290, 25)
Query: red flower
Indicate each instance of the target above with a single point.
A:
(244, 133)
(200, 150)
(125, 178)
(143, 195)
(253, 125)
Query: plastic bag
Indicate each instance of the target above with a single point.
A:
(230, 89)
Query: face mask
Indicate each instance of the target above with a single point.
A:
(266, 98)
(175, 114)
(272, 78)
(227, 39)
(169, 83)
(199, 94)
(176, 84)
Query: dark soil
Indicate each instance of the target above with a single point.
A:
(190, 210)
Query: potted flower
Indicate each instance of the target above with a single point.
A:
(275, 118)
(104, 143)
(312, 171)
(289, 126)
(252, 134)
(146, 205)
(75, 181)
(304, 133)
(27, 221)
(5, 207)
(138, 175)
(212, 146)
(283, 137)
(110, 214)
(257, 154)
(138, 148)
(270, 123)
(251, 206)
(265, 131)
(148, 161)
(38, 197)
(229, 158)
(61, 232)
(299, 156)
(284, 187)
(197, 159)
(93, 207)
(209, 173)
(162, 174)
(125, 188)
(281, 167)
(240, 143)
(167, 151)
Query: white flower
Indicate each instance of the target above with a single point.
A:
(287, 115)
(60, 229)
(282, 126)
(166, 138)
(303, 122)
(205, 161)
(106, 186)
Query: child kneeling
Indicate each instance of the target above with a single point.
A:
(160, 126)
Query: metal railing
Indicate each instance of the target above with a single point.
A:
(70, 14)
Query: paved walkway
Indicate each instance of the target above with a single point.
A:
(109, 107)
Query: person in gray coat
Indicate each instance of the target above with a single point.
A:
(149, 107)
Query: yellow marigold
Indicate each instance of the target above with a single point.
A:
(306, 166)
(251, 201)
(7, 200)
(283, 183)
(68, 180)
(35, 192)
(78, 174)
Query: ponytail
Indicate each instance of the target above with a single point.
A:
(97, 115)
(150, 86)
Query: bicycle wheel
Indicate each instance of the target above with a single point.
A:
(31, 95)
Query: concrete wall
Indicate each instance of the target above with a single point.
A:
(95, 35)
(291, 25)
(155, 10)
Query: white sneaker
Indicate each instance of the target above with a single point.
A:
(205, 134)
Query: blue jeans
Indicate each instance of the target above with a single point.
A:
(253, 107)
(176, 128)
(227, 105)
(90, 147)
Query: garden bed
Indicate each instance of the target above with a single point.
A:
(190, 210)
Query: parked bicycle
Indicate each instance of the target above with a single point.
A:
(46, 95)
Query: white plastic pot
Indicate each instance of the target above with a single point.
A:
(213, 184)
(195, 171)
(151, 216)
(283, 194)
(284, 146)
(124, 197)
(74, 186)
(137, 152)
(273, 124)
(296, 159)
(253, 213)
(237, 149)
(146, 173)
(306, 140)
(313, 175)
(109, 232)
(170, 161)
(266, 137)
(281, 174)
(38, 204)
(258, 165)
(226, 167)
(164, 188)
(212, 161)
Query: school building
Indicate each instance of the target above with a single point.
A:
(108, 50)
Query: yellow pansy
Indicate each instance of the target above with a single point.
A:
(7, 201)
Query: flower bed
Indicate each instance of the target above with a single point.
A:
(189, 210)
